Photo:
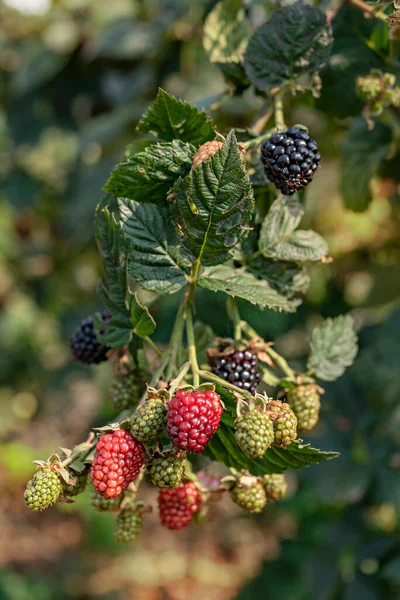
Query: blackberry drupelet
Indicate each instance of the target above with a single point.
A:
(84, 345)
(290, 160)
(239, 368)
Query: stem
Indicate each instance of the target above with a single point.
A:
(269, 378)
(193, 281)
(233, 314)
(211, 377)
(178, 379)
(279, 360)
(175, 342)
(258, 140)
(369, 10)
(153, 346)
(262, 118)
(79, 454)
(192, 346)
(278, 111)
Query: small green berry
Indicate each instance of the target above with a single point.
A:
(250, 496)
(102, 504)
(43, 489)
(275, 485)
(284, 421)
(127, 526)
(149, 420)
(306, 403)
(167, 471)
(254, 433)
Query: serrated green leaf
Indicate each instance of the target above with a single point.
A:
(282, 219)
(299, 246)
(333, 347)
(287, 278)
(149, 175)
(242, 284)
(172, 119)
(279, 241)
(143, 323)
(362, 152)
(226, 35)
(295, 41)
(213, 205)
(154, 260)
(118, 331)
(223, 448)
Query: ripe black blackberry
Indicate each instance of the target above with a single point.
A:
(84, 345)
(239, 368)
(290, 160)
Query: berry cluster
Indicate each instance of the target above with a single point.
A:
(290, 160)
(239, 368)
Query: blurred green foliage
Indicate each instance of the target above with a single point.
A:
(75, 77)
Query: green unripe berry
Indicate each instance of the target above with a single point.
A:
(284, 421)
(275, 485)
(103, 504)
(126, 390)
(306, 403)
(167, 472)
(42, 490)
(149, 420)
(252, 497)
(127, 526)
(254, 433)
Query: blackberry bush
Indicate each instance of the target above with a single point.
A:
(186, 219)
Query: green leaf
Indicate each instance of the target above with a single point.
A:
(143, 323)
(279, 241)
(333, 347)
(171, 119)
(149, 175)
(213, 205)
(226, 35)
(242, 284)
(295, 41)
(128, 316)
(287, 278)
(282, 219)
(362, 152)
(223, 448)
(154, 260)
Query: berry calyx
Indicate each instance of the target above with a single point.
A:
(204, 152)
(249, 493)
(275, 485)
(117, 462)
(290, 160)
(193, 418)
(149, 420)
(237, 367)
(104, 504)
(306, 403)
(284, 421)
(125, 391)
(76, 488)
(84, 345)
(166, 472)
(177, 507)
(254, 433)
(43, 489)
(127, 526)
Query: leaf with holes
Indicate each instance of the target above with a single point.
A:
(149, 175)
(172, 119)
(151, 242)
(213, 205)
(295, 41)
(333, 347)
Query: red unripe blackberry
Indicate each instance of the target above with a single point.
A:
(193, 418)
(239, 368)
(290, 160)
(117, 462)
(177, 507)
(84, 345)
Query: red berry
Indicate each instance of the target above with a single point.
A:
(193, 418)
(178, 506)
(117, 462)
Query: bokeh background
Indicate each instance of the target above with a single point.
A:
(75, 76)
